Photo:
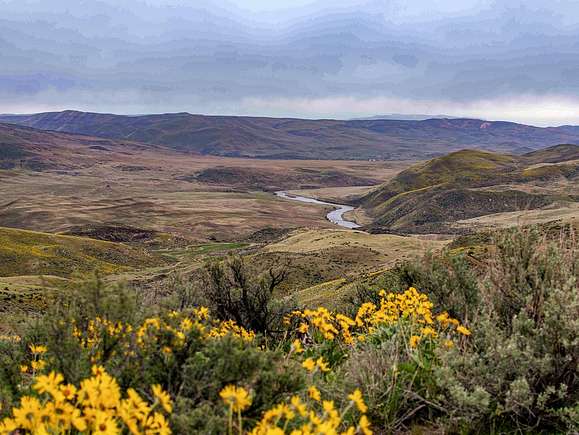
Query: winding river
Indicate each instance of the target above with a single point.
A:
(335, 216)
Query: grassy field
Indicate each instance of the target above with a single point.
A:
(173, 213)
(319, 256)
(32, 264)
(565, 212)
(156, 194)
(388, 247)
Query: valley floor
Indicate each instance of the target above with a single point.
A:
(170, 213)
(162, 208)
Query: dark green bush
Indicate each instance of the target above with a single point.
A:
(269, 376)
(235, 291)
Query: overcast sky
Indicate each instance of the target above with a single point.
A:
(505, 59)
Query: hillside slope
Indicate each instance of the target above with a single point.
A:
(430, 196)
(25, 252)
(37, 150)
(301, 138)
(555, 154)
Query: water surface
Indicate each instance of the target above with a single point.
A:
(335, 216)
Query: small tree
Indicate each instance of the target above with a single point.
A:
(234, 291)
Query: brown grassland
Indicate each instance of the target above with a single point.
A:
(159, 192)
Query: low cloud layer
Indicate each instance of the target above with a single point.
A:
(490, 59)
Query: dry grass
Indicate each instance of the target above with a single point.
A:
(388, 247)
(565, 211)
(150, 193)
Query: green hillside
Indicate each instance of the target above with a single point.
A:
(466, 184)
(33, 253)
(555, 154)
(429, 210)
(464, 167)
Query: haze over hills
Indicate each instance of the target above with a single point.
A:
(286, 138)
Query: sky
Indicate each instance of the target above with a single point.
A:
(491, 59)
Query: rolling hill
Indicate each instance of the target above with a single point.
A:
(38, 150)
(286, 138)
(32, 263)
(431, 196)
(34, 253)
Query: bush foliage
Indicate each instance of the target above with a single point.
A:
(489, 349)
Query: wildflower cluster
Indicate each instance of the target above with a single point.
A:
(299, 416)
(166, 333)
(320, 341)
(95, 406)
(37, 362)
(411, 307)
(229, 327)
(98, 333)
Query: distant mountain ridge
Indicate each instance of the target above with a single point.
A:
(404, 117)
(290, 138)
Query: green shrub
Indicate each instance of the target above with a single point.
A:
(268, 375)
(519, 372)
(235, 291)
(446, 278)
(512, 369)
(398, 382)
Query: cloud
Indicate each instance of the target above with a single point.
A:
(541, 110)
(481, 58)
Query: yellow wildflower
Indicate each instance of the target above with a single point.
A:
(50, 384)
(414, 340)
(37, 365)
(163, 398)
(364, 425)
(297, 346)
(68, 391)
(236, 397)
(202, 313)
(97, 370)
(104, 424)
(309, 364)
(37, 349)
(358, 400)
(26, 414)
(322, 365)
(428, 331)
(314, 393)
(462, 330)
(299, 406)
